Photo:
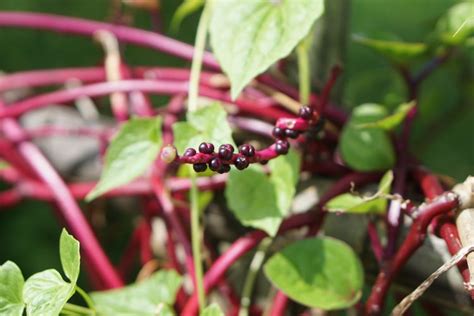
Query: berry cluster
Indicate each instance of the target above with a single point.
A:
(221, 160)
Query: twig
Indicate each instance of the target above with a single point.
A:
(400, 309)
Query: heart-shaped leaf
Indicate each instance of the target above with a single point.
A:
(249, 36)
(11, 290)
(145, 298)
(46, 293)
(319, 272)
(263, 201)
(130, 153)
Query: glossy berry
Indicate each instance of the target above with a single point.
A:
(291, 133)
(247, 150)
(282, 147)
(224, 169)
(206, 148)
(199, 167)
(306, 113)
(215, 164)
(241, 162)
(264, 162)
(189, 152)
(226, 151)
(278, 132)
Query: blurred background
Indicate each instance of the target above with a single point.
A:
(443, 133)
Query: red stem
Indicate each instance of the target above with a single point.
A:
(98, 263)
(88, 28)
(416, 235)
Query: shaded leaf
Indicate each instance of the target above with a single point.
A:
(186, 8)
(249, 36)
(11, 290)
(318, 272)
(395, 51)
(129, 154)
(366, 149)
(392, 121)
(140, 299)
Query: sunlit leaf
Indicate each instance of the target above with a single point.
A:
(249, 36)
(144, 298)
(353, 203)
(129, 154)
(11, 290)
(319, 272)
(207, 124)
(263, 201)
(457, 25)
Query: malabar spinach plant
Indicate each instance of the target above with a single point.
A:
(234, 121)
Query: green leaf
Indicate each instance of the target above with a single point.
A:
(186, 8)
(395, 51)
(11, 290)
(457, 25)
(319, 272)
(207, 124)
(130, 153)
(4, 164)
(212, 310)
(390, 122)
(247, 37)
(351, 203)
(366, 149)
(140, 299)
(70, 255)
(262, 201)
(45, 293)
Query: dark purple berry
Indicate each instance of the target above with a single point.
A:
(224, 169)
(226, 151)
(206, 148)
(241, 162)
(278, 132)
(199, 167)
(306, 113)
(215, 164)
(189, 152)
(247, 150)
(264, 162)
(282, 147)
(291, 133)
